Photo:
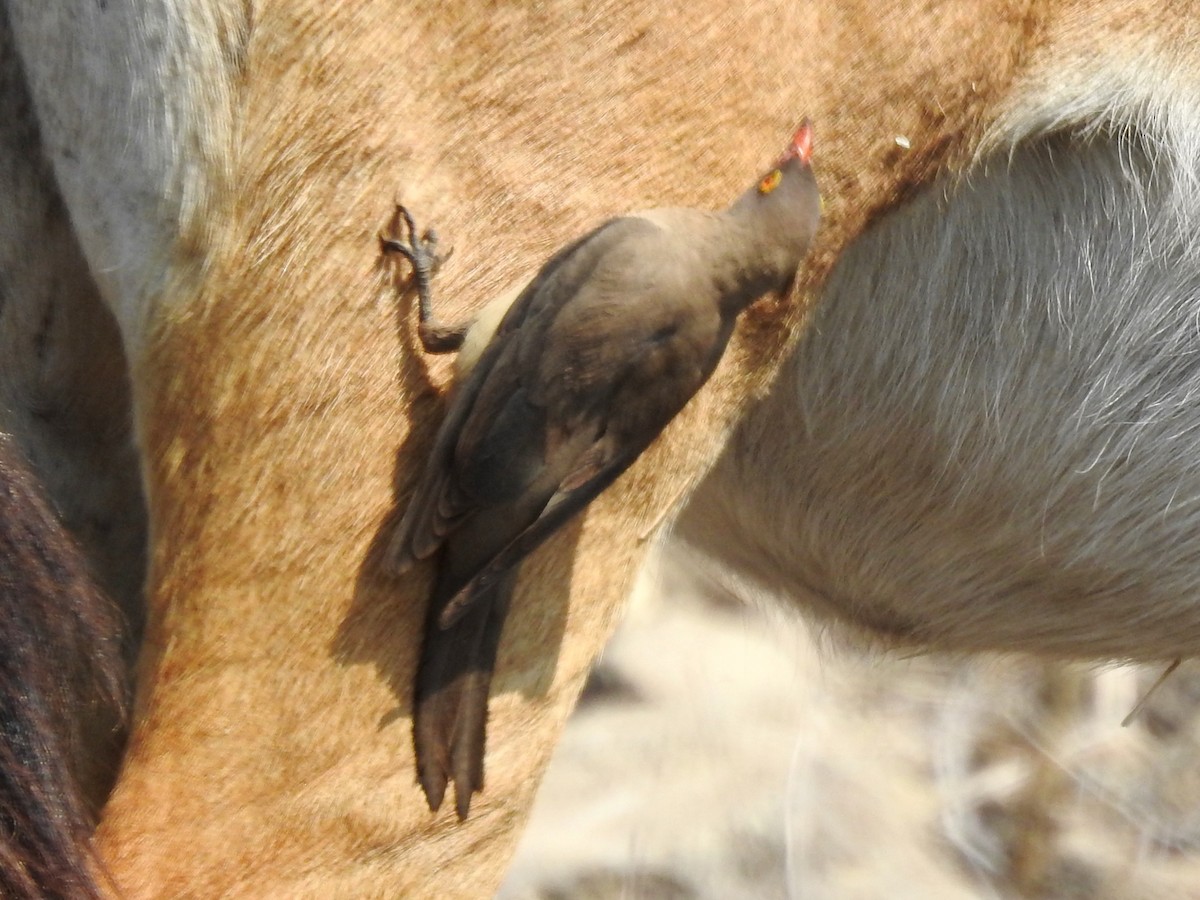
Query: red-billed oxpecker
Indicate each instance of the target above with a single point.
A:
(594, 357)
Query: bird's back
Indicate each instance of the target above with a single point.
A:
(507, 370)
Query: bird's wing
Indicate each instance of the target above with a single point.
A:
(439, 502)
(591, 438)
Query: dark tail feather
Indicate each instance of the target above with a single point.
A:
(451, 703)
(560, 509)
(60, 686)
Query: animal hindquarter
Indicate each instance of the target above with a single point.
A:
(989, 436)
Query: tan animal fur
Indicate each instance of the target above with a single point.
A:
(240, 158)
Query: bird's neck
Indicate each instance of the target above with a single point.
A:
(748, 260)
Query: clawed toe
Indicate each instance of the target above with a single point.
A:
(420, 249)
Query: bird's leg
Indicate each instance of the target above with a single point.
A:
(421, 252)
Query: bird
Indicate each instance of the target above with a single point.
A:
(590, 362)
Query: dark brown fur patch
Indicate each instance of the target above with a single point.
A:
(60, 679)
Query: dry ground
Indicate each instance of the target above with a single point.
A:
(723, 753)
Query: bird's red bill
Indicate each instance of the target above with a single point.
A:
(802, 143)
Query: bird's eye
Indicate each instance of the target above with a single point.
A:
(770, 181)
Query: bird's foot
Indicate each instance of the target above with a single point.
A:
(420, 249)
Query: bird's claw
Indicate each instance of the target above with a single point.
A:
(419, 248)
(421, 251)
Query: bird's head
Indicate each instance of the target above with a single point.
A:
(784, 205)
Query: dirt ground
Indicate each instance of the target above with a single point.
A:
(723, 753)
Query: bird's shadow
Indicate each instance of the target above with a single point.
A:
(384, 624)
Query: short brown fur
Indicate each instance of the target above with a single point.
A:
(283, 418)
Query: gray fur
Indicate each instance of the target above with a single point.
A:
(990, 436)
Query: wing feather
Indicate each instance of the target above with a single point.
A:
(437, 504)
(585, 472)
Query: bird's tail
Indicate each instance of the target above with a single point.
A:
(451, 703)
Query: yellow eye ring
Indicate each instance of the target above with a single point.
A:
(770, 181)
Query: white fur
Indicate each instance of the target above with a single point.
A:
(135, 105)
(990, 437)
